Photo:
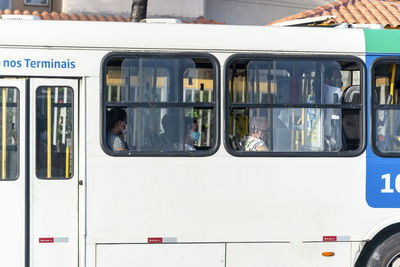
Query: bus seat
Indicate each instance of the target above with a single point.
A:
(352, 95)
(235, 143)
(351, 117)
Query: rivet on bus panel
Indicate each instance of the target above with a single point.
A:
(328, 254)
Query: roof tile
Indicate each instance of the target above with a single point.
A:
(94, 17)
(385, 12)
(64, 16)
(55, 16)
(73, 16)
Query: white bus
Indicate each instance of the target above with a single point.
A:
(133, 144)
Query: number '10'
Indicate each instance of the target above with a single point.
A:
(387, 188)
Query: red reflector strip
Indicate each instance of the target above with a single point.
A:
(329, 238)
(154, 240)
(46, 240)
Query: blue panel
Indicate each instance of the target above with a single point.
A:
(380, 193)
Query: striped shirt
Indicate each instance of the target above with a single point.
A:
(251, 143)
(115, 142)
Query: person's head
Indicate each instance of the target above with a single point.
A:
(188, 131)
(195, 131)
(333, 77)
(116, 121)
(258, 127)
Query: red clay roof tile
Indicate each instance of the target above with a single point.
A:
(73, 16)
(55, 16)
(92, 17)
(64, 16)
(385, 12)
(82, 17)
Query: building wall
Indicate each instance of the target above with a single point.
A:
(115, 7)
(176, 8)
(20, 4)
(247, 12)
(256, 12)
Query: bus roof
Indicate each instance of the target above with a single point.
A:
(125, 36)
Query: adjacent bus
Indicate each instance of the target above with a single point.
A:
(134, 144)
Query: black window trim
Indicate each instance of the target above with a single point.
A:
(72, 106)
(17, 146)
(373, 107)
(205, 105)
(321, 57)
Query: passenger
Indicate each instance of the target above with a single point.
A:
(189, 140)
(116, 128)
(195, 134)
(258, 133)
(332, 120)
(333, 84)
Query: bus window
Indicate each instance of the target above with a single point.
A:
(294, 105)
(54, 132)
(386, 108)
(9, 131)
(169, 104)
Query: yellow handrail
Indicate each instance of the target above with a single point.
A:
(3, 137)
(67, 162)
(48, 132)
(392, 81)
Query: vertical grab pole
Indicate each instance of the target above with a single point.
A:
(48, 132)
(3, 137)
(392, 82)
(302, 126)
(67, 162)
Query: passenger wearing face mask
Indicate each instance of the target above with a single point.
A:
(116, 129)
(333, 84)
(332, 120)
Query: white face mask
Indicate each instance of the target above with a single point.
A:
(125, 131)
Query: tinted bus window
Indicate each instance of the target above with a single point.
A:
(159, 106)
(386, 108)
(9, 131)
(54, 132)
(294, 106)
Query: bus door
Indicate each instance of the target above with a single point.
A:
(12, 172)
(53, 172)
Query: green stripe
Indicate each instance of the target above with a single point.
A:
(382, 41)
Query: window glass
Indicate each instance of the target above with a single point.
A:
(387, 107)
(159, 105)
(54, 132)
(9, 131)
(294, 105)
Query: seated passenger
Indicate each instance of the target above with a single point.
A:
(332, 119)
(189, 140)
(195, 134)
(258, 132)
(116, 128)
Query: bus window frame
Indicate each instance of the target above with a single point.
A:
(157, 55)
(373, 109)
(319, 57)
(34, 91)
(18, 115)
